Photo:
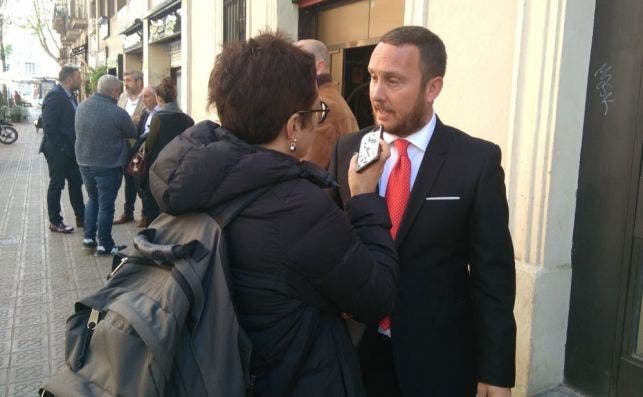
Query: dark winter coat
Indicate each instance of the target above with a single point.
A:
(297, 261)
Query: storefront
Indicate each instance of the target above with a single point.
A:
(350, 29)
(133, 46)
(164, 45)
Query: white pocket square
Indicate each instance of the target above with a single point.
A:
(443, 198)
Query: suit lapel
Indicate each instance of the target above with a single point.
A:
(427, 174)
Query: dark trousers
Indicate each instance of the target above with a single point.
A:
(63, 168)
(376, 361)
(130, 194)
(150, 208)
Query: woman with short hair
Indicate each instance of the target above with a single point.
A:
(297, 261)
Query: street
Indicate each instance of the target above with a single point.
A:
(42, 273)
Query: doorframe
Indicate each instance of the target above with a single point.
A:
(630, 286)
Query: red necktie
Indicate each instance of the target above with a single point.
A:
(398, 190)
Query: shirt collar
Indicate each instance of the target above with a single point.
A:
(68, 92)
(420, 139)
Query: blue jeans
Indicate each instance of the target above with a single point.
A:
(102, 186)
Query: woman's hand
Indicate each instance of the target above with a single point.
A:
(366, 181)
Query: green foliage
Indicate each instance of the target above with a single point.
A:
(93, 76)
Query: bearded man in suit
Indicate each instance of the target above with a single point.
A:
(452, 331)
(131, 101)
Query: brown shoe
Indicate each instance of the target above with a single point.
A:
(142, 222)
(60, 228)
(124, 219)
(80, 222)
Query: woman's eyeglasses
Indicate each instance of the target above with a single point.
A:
(323, 112)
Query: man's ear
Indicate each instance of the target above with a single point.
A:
(433, 89)
(320, 67)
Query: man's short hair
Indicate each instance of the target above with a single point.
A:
(318, 49)
(136, 75)
(258, 84)
(107, 84)
(67, 71)
(433, 56)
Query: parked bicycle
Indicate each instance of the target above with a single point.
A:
(8, 134)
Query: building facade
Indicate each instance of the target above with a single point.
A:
(552, 82)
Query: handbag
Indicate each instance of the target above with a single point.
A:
(136, 165)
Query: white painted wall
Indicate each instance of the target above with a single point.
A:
(205, 27)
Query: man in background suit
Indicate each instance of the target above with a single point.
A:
(340, 119)
(59, 137)
(130, 100)
(452, 330)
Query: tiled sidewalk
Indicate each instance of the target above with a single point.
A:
(42, 274)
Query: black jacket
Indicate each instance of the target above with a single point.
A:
(297, 261)
(453, 322)
(59, 133)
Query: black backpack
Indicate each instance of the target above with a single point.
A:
(165, 324)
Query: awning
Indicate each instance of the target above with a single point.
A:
(136, 27)
(163, 9)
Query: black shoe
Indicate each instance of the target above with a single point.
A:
(102, 251)
(60, 228)
(80, 222)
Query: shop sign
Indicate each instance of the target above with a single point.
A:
(81, 49)
(165, 26)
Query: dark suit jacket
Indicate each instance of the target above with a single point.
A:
(453, 322)
(140, 127)
(59, 133)
(141, 123)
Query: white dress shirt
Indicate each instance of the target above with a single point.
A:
(130, 106)
(419, 143)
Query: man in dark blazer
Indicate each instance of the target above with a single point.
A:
(59, 137)
(452, 330)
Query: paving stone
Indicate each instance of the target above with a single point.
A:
(31, 300)
(30, 331)
(21, 343)
(58, 351)
(30, 320)
(24, 389)
(29, 372)
(26, 357)
(5, 347)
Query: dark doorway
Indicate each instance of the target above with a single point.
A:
(604, 352)
(355, 83)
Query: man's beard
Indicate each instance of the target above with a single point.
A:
(415, 120)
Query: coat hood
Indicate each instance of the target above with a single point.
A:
(207, 165)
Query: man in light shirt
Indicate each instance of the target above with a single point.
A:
(131, 101)
(148, 97)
